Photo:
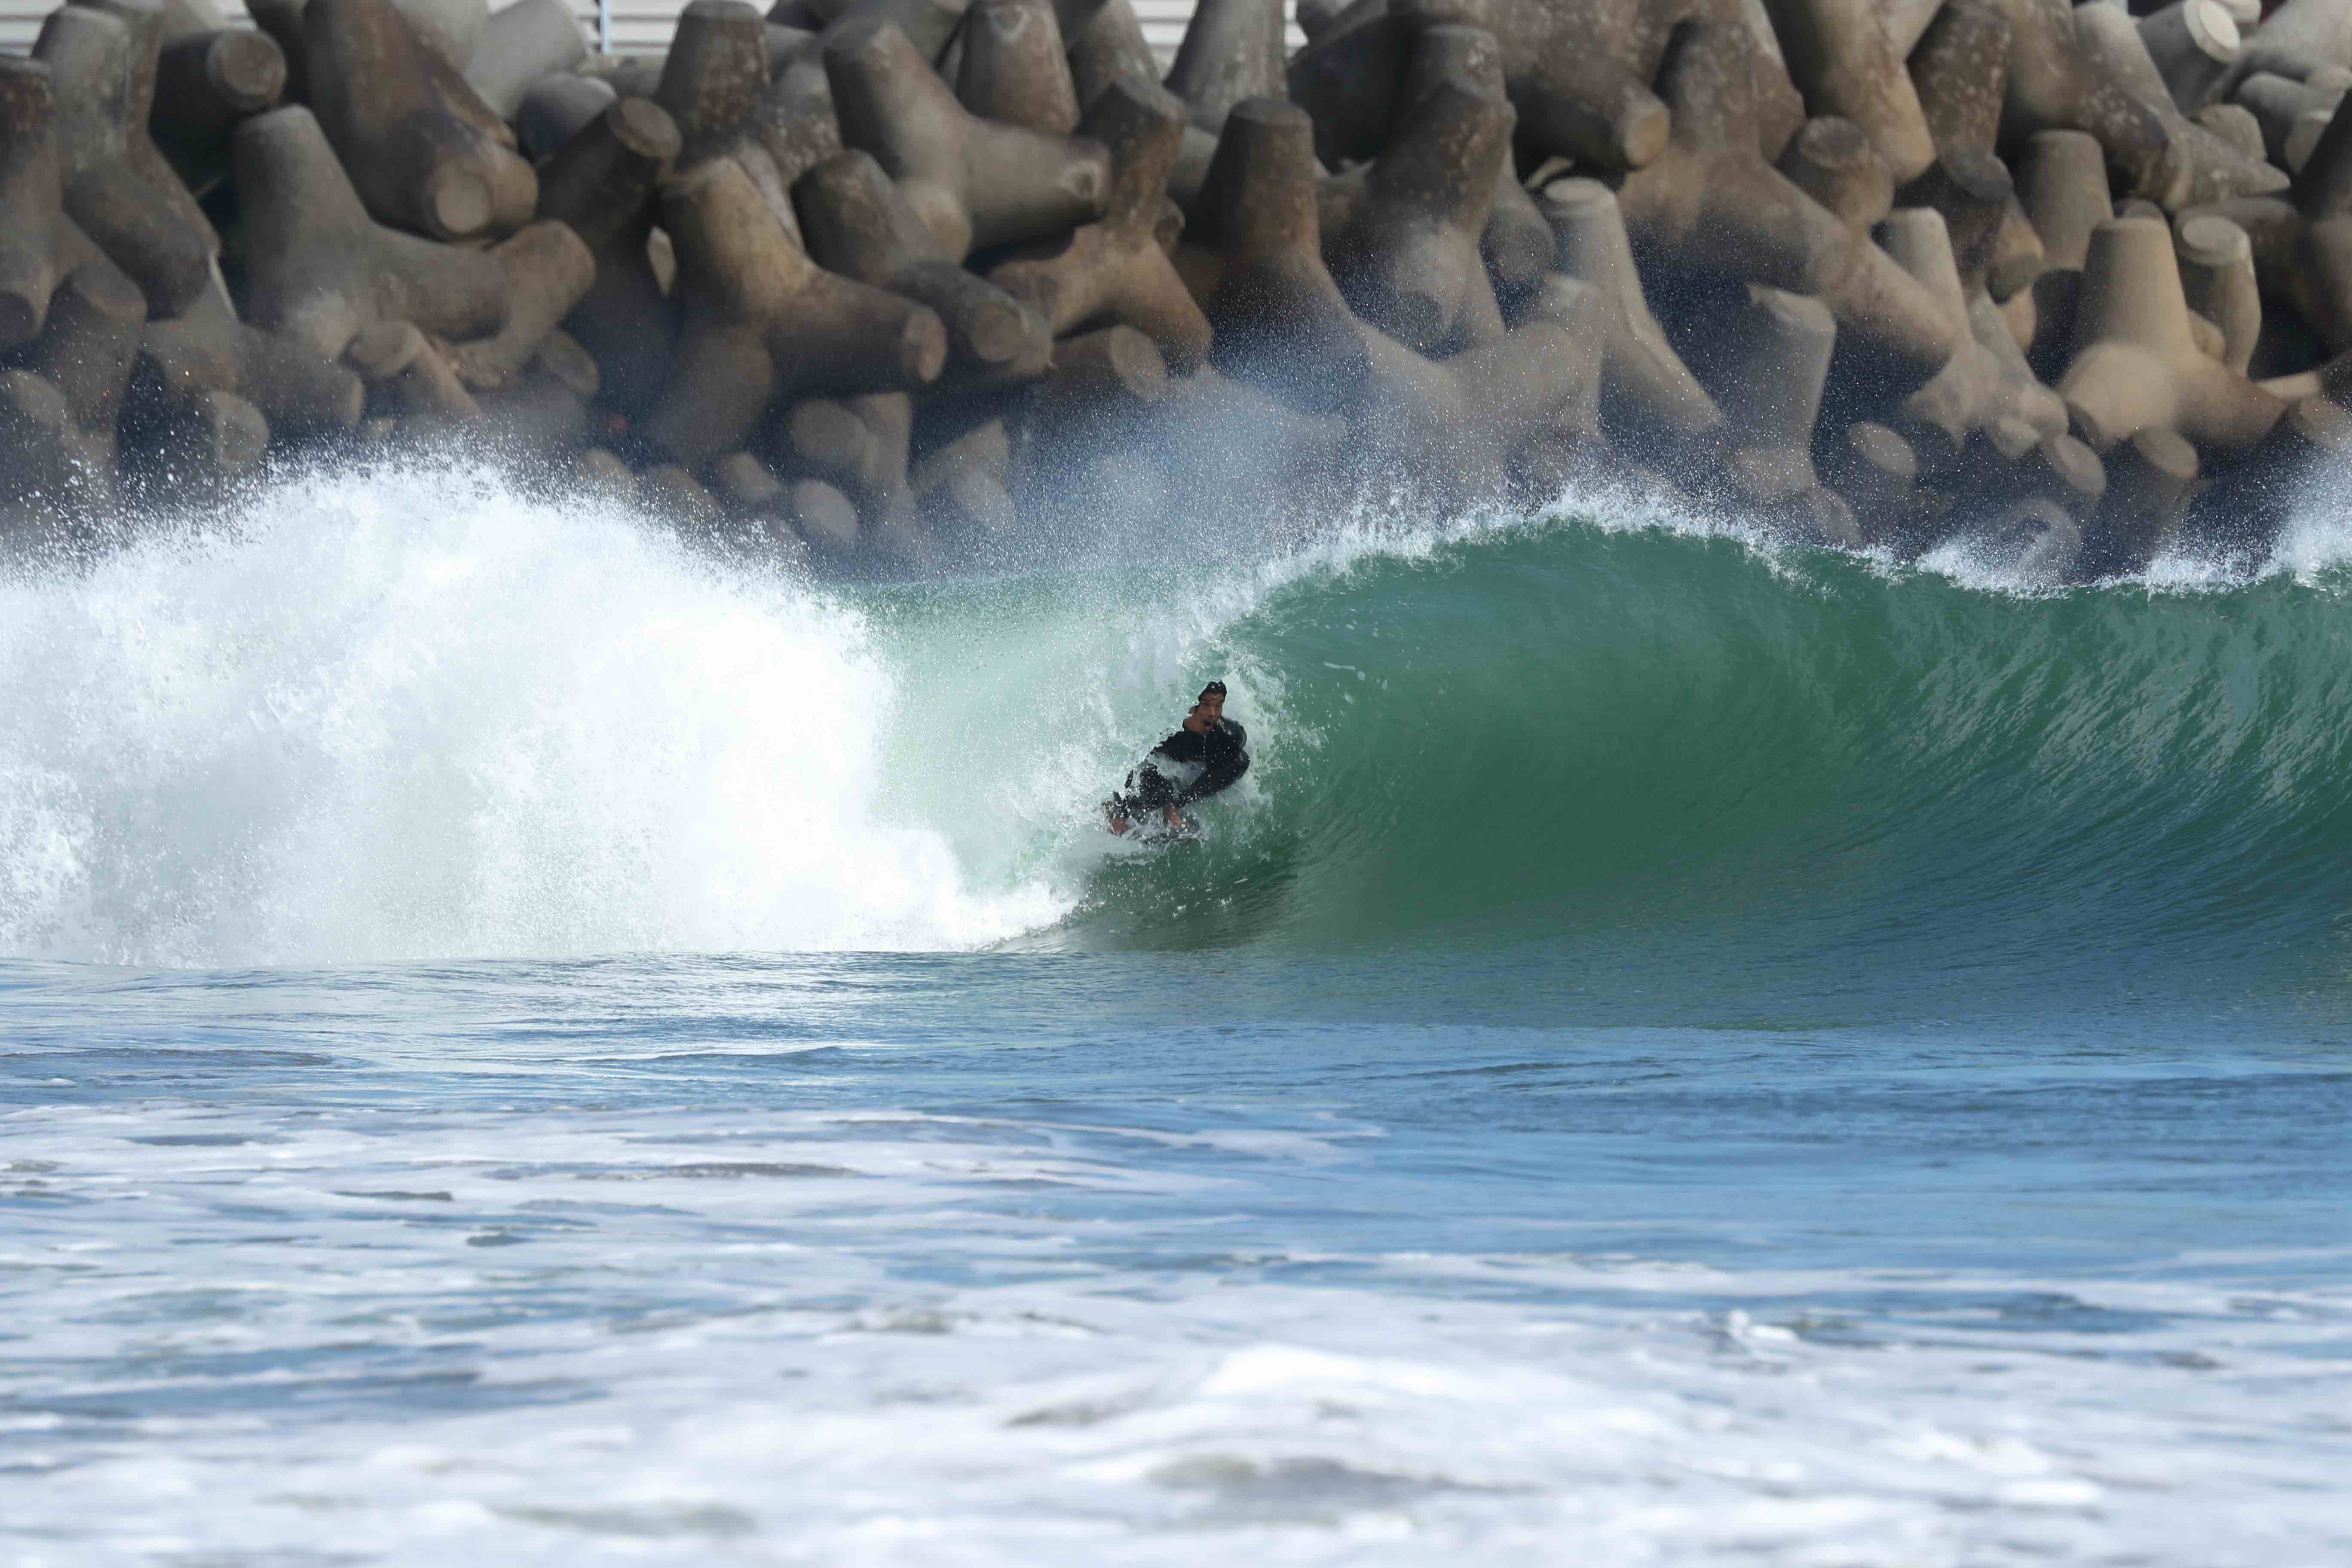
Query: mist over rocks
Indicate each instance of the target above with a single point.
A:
(903, 283)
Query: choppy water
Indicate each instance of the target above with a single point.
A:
(524, 1043)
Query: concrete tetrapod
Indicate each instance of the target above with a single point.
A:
(542, 408)
(1446, 430)
(410, 382)
(1280, 320)
(1409, 261)
(31, 193)
(86, 350)
(2217, 170)
(1650, 402)
(1839, 56)
(1960, 72)
(669, 491)
(2062, 184)
(2058, 470)
(1106, 47)
(960, 484)
(1570, 435)
(2217, 276)
(859, 445)
(1779, 106)
(206, 350)
(521, 44)
(794, 126)
(205, 83)
(281, 20)
(1232, 50)
(1115, 270)
(1350, 78)
(2193, 43)
(217, 439)
(856, 223)
(1441, 430)
(2148, 482)
(1936, 419)
(2136, 364)
(1833, 162)
(933, 26)
(43, 456)
(1766, 361)
(318, 269)
(2236, 124)
(1972, 190)
(976, 182)
(1516, 242)
(1015, 68)
(1874, 470)
(424, 152)
(601, 184)
(2249, 506)
(2293, 40)
(1212, 435)
(1078, 420)
(549, 270)
(714, 76)
(1711, 204)
(555, 109)
(2278, 106)
(762, 320)
(118, 185)
(2053, 85)
(2314, 263)
(451, 29)
(1581, 74)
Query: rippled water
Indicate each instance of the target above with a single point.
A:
(1021, 1259)
(1677, 1054)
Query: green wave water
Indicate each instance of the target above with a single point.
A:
(1572, 733)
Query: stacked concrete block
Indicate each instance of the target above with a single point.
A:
(882, 282)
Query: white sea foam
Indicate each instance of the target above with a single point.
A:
(410, 712)
(697, 1337)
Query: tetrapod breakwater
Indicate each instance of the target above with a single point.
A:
(899, 282)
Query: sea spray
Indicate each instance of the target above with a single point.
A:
(408, 712)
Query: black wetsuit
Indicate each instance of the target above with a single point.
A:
(1218, 753)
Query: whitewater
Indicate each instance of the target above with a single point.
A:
(525, 1039)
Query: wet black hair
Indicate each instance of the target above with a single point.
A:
(1214, 689)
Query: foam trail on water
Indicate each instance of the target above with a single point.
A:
(409, 713)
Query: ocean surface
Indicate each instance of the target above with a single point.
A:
(523, 1042)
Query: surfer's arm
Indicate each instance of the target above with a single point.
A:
(1148, 787)
(1222, 773)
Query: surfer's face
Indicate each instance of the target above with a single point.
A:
(1204, 713)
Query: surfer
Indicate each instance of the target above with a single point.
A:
(1194, 763)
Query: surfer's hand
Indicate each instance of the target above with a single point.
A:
(1118, 826)
(1175, 817)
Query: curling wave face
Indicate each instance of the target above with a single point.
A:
(413, 713)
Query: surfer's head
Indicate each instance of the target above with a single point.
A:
(1207, 709)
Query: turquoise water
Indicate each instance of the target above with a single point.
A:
(529, 1044)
